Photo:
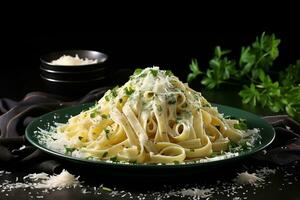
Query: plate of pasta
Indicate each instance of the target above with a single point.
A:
(152, 121)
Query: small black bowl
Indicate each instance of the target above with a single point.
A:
(74, 75)
(73, 88)
(48, 58)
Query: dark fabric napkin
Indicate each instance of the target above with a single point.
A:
(285, 149)
(15, 116)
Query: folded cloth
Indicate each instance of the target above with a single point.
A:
(15, 151)
(285, 149)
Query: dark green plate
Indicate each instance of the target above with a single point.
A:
(149, 170)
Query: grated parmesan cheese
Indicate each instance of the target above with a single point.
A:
(195, 192)
(228, 190)
(62, 180)
(70, 60)
(36, 177)
(246, 178)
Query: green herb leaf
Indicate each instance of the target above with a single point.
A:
(114, 91)
(159, 108)
(250, 95)
(221, 68)
(194, 67)
(128, 91)
(241, 125)
(154, 72)
(104, 116)
(69, 149)
(214, 154)
(291, 75)
(137, 71)
(168, 73)
(94, 114)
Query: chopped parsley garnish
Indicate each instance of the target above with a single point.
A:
(128, 91)
(137, 71)
(233, 147)
(69, 149)
(120, 100)
(214, 154)
(106, 98)
(159, 108)
(169, 73)
(154, 72)
(94, 114)
(104, 116)
(176, 162)
(245, 145)
(241, 125)
(192, 150)
(114, 91)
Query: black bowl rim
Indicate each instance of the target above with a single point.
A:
(69, 81)
(52, 71)
(65, 52)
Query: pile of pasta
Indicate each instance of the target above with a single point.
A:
(152, 118)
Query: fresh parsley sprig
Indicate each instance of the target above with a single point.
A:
(220, 69)
(282, 95)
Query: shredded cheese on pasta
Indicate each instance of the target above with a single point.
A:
(153, 118)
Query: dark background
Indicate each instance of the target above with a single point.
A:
(23, 43)
(173, 50)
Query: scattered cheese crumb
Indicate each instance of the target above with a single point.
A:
(263, 172)
(36, 176)
(246, 178)
(195, 192)
(22, 147)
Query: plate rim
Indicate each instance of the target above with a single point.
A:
(138, 165)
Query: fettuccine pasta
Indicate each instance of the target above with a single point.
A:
(153, 118)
